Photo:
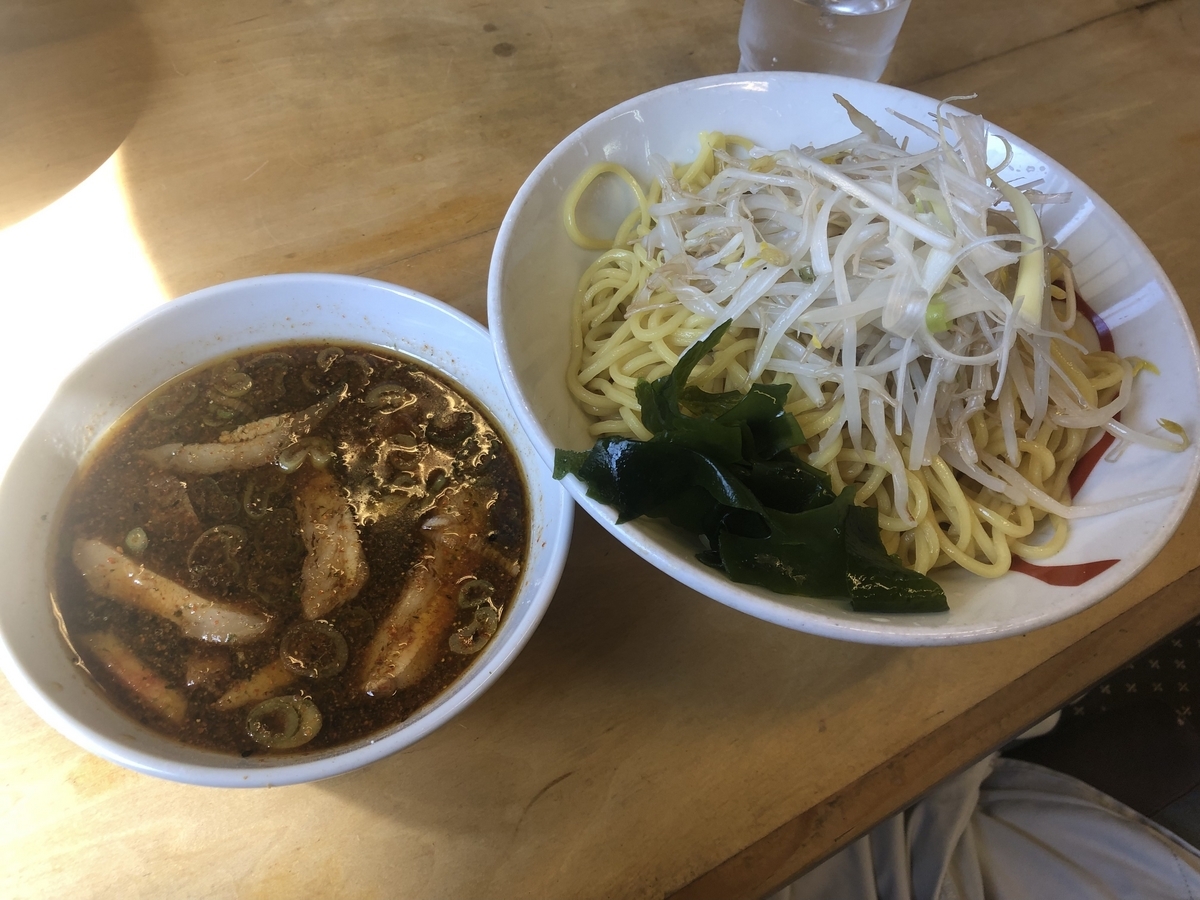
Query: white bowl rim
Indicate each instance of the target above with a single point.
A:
(298, 769)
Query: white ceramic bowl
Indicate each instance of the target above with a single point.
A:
(172, 339)
(535, 268)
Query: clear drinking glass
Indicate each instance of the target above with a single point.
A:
(841, 37)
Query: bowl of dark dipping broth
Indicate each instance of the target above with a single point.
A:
(276, 530)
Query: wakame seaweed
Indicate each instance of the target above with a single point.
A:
(721, 467)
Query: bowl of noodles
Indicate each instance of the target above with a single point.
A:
(977, 351)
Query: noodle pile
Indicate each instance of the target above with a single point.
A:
(933, 344)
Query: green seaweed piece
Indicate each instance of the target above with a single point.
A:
(720, 466)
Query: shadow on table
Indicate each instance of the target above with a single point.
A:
(75, 77)
(628, 680)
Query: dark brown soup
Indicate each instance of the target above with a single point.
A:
(291, 549)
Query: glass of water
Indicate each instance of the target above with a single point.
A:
(841, 37)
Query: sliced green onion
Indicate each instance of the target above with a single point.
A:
(474, 591)
(355, 381)
(136, 541)
(450, 428)
(314, 649)
(318, 449)
(214, 555)
(389, 397)
(218, 416)
(283, 723)
(405, 480)
(231, 382)
(935, 316)
(436, 481)
(222, 409)
(472, 637)
(262, 487)
(334, 365)
(270, 370)
(329, 356)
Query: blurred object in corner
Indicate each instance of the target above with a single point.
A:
(841, 37)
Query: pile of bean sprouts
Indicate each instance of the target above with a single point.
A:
(932, 339)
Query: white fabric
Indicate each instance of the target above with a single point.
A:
(1009, 830)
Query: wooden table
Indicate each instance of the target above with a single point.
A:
(648, 742)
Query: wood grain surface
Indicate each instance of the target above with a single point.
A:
(648, 742)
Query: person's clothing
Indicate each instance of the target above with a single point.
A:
(1009, 830)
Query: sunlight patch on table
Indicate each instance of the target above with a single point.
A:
(71, 276)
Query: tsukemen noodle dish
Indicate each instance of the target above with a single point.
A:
(290, 550)
(846, 368)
